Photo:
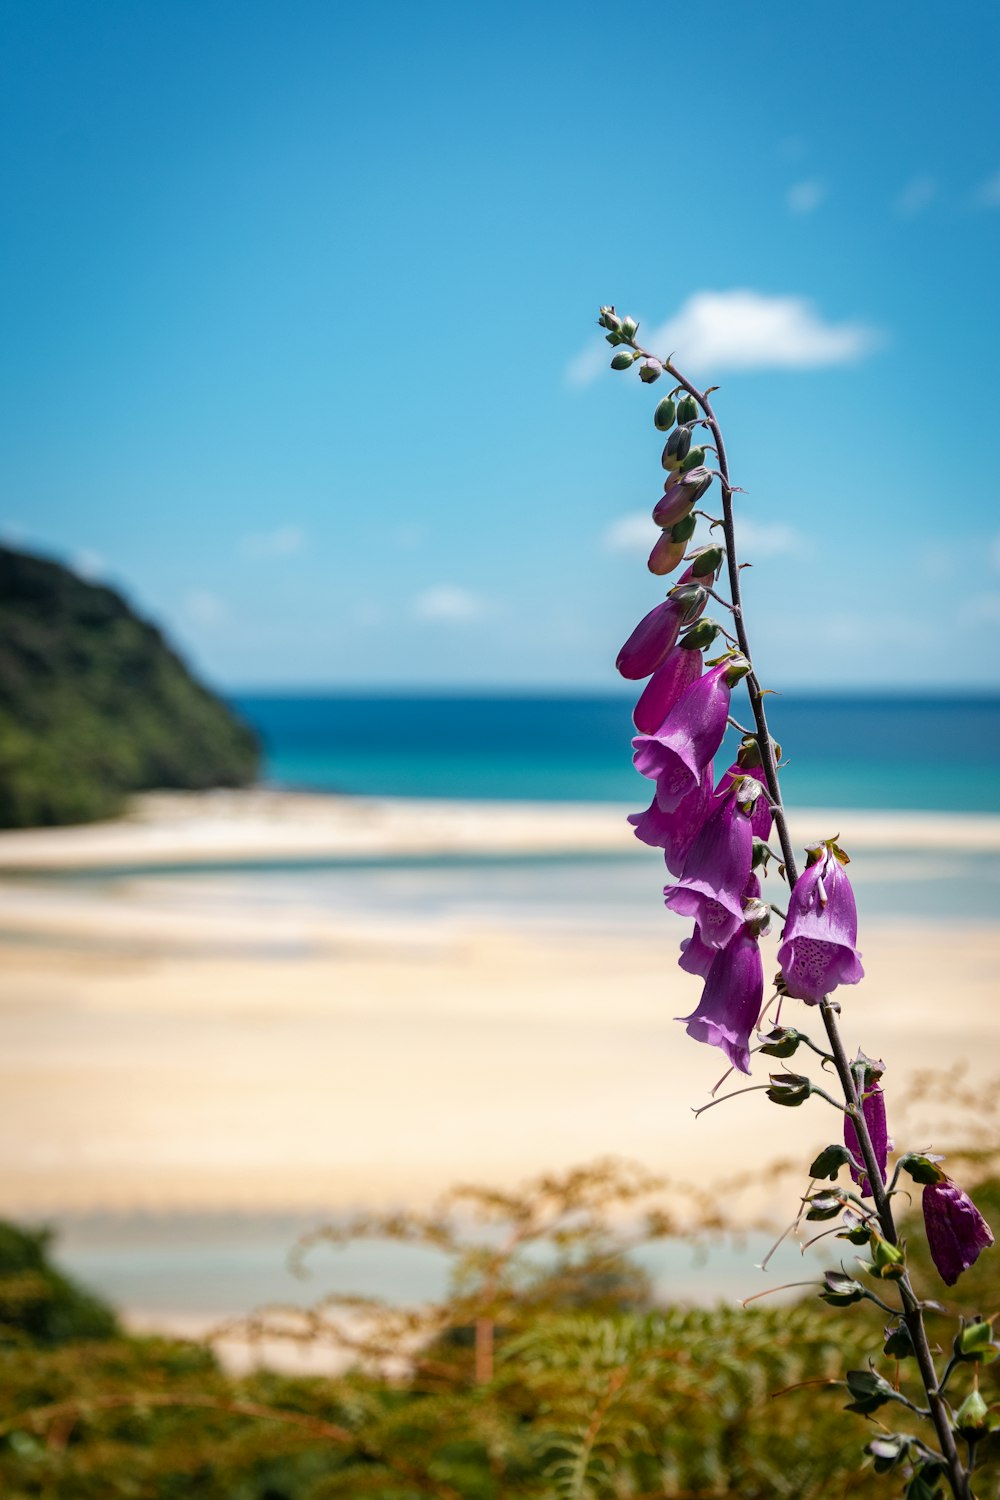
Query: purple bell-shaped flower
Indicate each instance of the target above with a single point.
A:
(818, 950)
(956, 1230)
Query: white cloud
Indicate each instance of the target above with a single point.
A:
(806, 197)
(768, 539)
(744, 330)
(203, 608)
(88, 564)
(917, 195)
(448, 603)
(632, 533)
(981, 609)
(284, 541)
(988, 192)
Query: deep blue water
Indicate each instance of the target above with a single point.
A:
(929, 753)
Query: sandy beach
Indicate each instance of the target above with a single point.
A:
(168, 1048)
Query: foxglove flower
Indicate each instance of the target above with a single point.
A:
(680, 493)
(730, 1002)
(873, 1109)
(818, 949)
(760, 817)
(676, 831)
(664, 688)
(697, 957)
(956, 1230)
(677, 755)
(656, 633)
(715, 873)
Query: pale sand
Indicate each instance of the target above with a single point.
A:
(258, 824)
(138, 1072)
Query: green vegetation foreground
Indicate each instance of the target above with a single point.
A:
(546, 1372)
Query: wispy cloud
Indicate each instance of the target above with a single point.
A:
(284, 541)
(744, 330)
(805, 197)
(763, 539)
(449, 604)
(203, 608)
(88, 564)
(988, 192)
(632, 533)
(916, 196)
(981, 609)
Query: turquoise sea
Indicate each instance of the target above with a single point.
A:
(865, 752)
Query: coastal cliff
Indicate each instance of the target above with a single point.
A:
(94, 704)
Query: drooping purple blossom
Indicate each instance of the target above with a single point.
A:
(873, 1109)
(656, 633)
(730, 1002)
(676, 756)
(675, 832)
(760, 817)
(818, 950)
(956, 1230)
(715, 873)
(665, 687)
(697, 956)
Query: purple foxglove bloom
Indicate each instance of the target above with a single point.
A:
(663, 689)
(730, 1002)
(818, 949)
(696, 955)
(873, 1109)
(655, 635)
(688, 738)
(715, 874)
(760, 818)
(956, 1230)
(676, 831)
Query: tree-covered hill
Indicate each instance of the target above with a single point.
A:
(94, 704)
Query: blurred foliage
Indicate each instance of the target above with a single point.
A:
(546, 1371)
(94, 704)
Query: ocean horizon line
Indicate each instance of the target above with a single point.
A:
(889, 694)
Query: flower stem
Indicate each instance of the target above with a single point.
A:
(912, 1309)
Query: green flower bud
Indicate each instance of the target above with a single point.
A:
(687, 409)
(683, 531)
(649, 371)
(610, 319)
(973, 1417)
(975, 1341)
(700, 636)
(888, 1261)
(737, 669)
(780, 1041)
(840, 1290)
(898, 1344)
(756, 916)
(691, 597)
(623, 360)
(694, 460)
(789, 1089)
(663, 416)
(678, 446)
(629, 327)
(705, 561)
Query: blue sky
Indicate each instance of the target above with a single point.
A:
(299, 309)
